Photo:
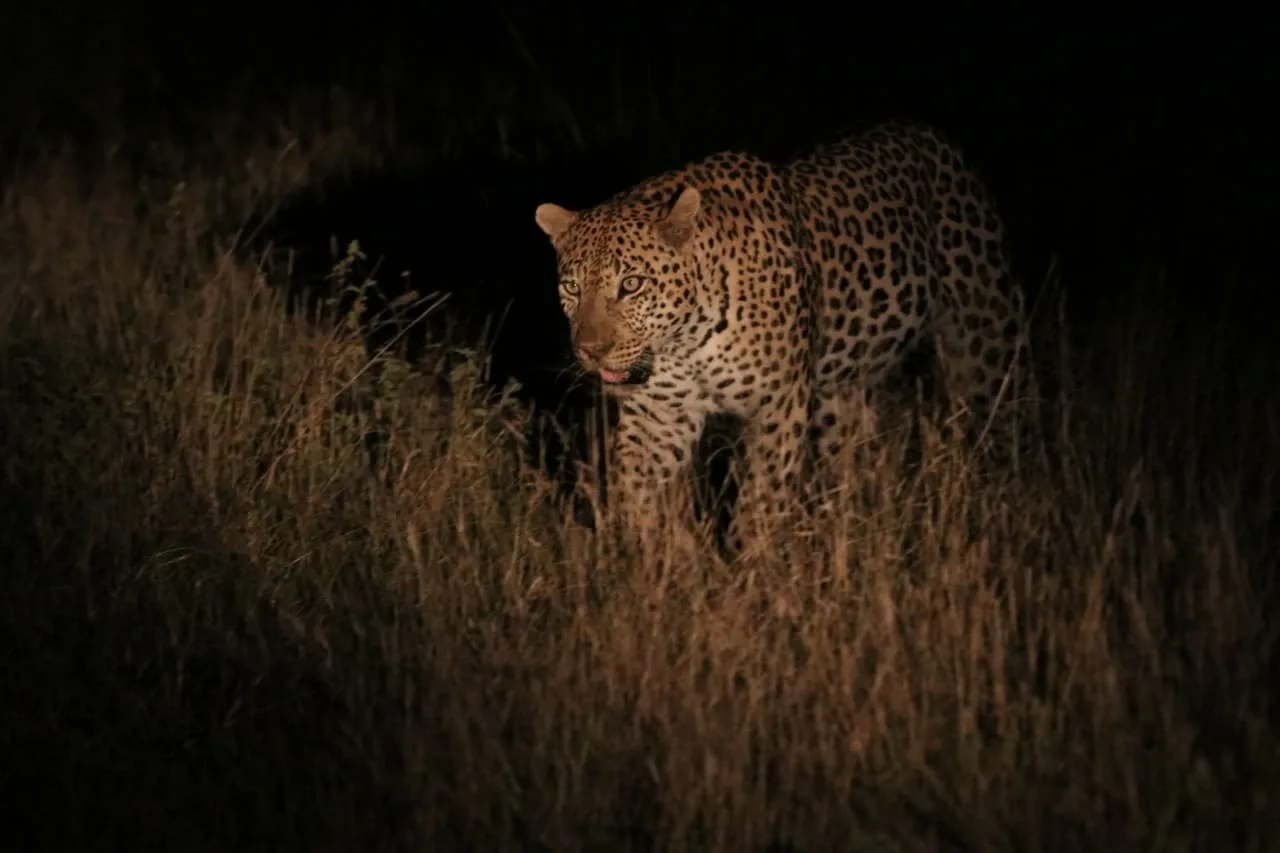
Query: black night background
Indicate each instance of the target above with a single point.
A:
(317, 579)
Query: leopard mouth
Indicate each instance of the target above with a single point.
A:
(638, 373)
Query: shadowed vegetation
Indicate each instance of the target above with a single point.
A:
(263, 590)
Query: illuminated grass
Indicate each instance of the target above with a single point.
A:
(232, 629)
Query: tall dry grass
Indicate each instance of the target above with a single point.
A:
(231, 626)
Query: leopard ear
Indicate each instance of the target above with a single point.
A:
(553, 219)
(679, 224)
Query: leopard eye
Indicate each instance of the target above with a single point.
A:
(569, 286)
(631, 284)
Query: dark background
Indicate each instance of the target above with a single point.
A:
(1127, 145)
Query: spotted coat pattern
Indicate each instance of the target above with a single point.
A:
(779, 294)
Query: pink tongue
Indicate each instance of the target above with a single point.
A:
(612, 376)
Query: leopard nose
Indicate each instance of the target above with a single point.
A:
(594, 349)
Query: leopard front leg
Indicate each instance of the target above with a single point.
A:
(771, 497)
(649, 489)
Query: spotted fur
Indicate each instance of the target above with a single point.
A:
(780, 294)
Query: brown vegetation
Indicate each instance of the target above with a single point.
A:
(229, 632)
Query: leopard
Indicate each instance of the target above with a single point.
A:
(783, 294)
